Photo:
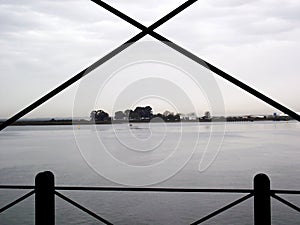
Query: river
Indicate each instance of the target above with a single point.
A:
(156, 155)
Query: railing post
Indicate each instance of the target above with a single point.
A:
(262, 200)
(44, 199)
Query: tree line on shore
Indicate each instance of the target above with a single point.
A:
(136, 115)
(145, 114)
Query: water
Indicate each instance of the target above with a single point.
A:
(247, 149)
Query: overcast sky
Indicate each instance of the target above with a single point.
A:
(45, 42)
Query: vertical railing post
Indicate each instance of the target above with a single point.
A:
(262, 200)
(44, 199)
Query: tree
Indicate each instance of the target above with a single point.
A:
(166, 113)
(141, 113)
(168, 116)
(133, 115)
(207, 115)
(93, 115)
(148, 112)
(102, 116)
(159, 115)
(127, 112)
(177, 117)
(119, 115)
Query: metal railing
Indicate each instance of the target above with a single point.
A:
(45, 192)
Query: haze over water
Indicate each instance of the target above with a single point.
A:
(247, 149)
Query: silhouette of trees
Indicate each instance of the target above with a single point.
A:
(99, 115)
(138, 114)
(119, 115)
(207, 115)
(93, 115)
(173, 118)
(169, 116)
(141, 113)
(127, 112)
(166, 113)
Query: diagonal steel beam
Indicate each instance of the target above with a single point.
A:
(98, 63)
(289, 204)
(17, 201)
(200, 61)
(84, 209)
(224, 208)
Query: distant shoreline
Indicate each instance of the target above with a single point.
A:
(54, 122)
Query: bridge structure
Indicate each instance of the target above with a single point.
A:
(45, 189)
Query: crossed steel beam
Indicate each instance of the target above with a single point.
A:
(148, 31)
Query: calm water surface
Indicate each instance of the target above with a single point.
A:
(247, 149)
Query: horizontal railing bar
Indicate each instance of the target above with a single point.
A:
(208, 190)
(17, 201)
(213, 214)
(133, 189)
(282, 200)
(295, 192)
(82, 208)
(24, 187)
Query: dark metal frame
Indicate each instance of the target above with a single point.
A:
(45, 191)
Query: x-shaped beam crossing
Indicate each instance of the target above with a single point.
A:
(148, 31)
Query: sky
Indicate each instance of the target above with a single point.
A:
(44, 43)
